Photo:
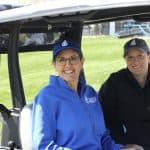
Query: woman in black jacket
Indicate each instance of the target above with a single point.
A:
(125, 97)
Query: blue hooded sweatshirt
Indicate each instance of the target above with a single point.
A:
(66, 120)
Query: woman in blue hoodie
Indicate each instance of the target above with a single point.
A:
(66, 113)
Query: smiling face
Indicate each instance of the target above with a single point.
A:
(69, 64)
(137, 61)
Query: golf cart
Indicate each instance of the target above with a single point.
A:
(35, 28)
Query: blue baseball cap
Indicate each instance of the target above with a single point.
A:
(136, 43)
(65, 44)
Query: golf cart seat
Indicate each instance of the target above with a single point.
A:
(26, 127)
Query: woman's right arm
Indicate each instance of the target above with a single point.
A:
(44, 124)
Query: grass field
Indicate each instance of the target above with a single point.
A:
(103, 55)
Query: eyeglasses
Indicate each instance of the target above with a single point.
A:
(73, 60)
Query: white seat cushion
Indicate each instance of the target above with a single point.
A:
(26, 127)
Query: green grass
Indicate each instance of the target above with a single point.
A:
(103, 55)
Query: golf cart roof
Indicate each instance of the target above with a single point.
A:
(87, 11)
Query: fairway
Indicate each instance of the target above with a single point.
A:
(103, 55)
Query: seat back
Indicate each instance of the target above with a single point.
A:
(26, 127)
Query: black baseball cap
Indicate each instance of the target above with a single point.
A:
(136, 43)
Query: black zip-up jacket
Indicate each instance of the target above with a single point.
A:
(126, 108)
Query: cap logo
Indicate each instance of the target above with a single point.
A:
(133, 43)
(64, 43)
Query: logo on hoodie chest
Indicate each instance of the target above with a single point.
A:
(90, 100)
